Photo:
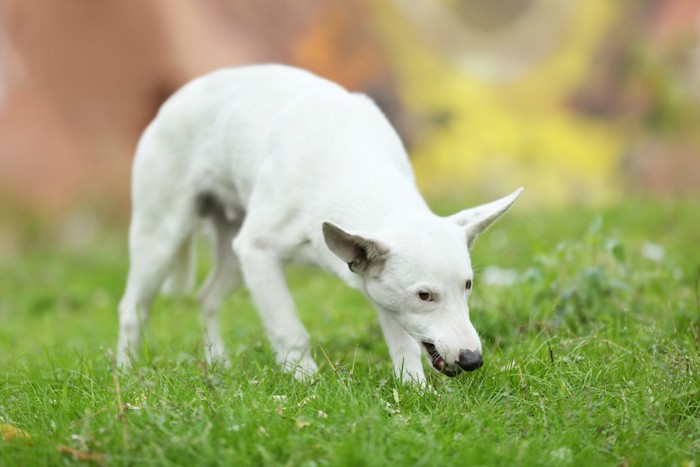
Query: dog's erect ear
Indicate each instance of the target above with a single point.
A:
(477, 219)
(362, 254)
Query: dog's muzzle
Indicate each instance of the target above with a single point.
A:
(469, 360)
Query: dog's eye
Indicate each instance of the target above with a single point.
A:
(468, 286)
(425, 296)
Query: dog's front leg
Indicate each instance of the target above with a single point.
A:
(263, 272)
(404, 350)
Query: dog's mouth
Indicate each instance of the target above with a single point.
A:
(438, 362)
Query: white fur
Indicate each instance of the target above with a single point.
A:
(286, 166)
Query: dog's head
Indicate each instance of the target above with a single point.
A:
(419, 271)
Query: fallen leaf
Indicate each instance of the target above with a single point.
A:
(81, 456)
(11, 433)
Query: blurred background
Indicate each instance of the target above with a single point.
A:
(579, 101)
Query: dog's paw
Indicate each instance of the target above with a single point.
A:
(303, 369)
(415, 379)
(215, 354)
(219, 360)
(125, 359)
(419, 384)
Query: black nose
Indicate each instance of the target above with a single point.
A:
(469, 360)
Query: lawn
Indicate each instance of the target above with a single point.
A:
(591, 358)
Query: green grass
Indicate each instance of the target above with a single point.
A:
(591, 358)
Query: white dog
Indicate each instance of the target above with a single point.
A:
(287, 166)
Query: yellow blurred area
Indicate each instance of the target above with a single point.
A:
(504, 134)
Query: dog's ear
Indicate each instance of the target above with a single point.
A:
(477, 219)
(362, 254)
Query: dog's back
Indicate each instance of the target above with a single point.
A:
(272, 137)
(222, 128)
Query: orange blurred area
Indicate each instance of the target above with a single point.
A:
(81, 80)
(572, 98)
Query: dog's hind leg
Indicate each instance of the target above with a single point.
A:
(153, 247)
(181, 279)
(224, 278)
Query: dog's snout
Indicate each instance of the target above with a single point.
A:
(469, 360)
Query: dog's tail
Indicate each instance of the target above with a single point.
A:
(181, 279)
